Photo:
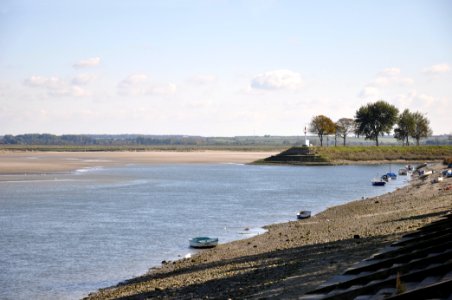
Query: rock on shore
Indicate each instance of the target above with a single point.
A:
(292, 258)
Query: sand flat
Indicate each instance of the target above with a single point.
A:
(15, 163)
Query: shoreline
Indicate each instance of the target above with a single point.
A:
(37, 163)
(292, 258)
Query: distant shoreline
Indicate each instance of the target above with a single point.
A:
(21, 162)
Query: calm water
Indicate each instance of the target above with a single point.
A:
(63, 236)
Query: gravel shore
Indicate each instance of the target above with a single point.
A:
(295, 257)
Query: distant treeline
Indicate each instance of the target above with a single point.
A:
(183, 140)
(101, 140)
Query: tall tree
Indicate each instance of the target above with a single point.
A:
(322, 125)
(375, 119)
(344, 126)
(405, 127)
(421, 127)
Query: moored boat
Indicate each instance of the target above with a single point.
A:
(384, 178)
(403, 171)
(203, 242)
(391, 175)
(378, 182)
(304, 214)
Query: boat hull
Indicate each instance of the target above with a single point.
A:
(203, 242)
(304, 214)
(378, 183)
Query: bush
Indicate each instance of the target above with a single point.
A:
(448, 160)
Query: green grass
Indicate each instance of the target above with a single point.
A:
(373, 153)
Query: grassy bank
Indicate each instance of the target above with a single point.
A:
(358, 154)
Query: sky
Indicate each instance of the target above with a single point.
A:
(218, 68)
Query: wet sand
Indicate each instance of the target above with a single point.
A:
(295, 257)
(20, 163)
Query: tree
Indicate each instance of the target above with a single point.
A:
(405, 127)
(421, 127)
(343, 127)
(322, 125)
(375, 119)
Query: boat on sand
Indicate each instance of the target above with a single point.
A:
(304, 214)
(203, 242)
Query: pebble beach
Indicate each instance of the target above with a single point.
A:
(295, 257)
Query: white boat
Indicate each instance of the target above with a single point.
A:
(203, 242)
(424, 174)
(438, 179)
(304, 214)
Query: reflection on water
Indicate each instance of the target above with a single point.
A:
(63, 236)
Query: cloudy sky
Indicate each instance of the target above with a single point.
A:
(218, 68)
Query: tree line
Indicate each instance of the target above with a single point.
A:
(372, 121)
(98, 140)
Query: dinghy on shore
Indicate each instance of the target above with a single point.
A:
(304, 214)
(203, 242)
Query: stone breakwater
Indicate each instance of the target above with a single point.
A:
(293, 258)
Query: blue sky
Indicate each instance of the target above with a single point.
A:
(218, 67)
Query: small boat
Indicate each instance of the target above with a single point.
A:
(391, 175)
(438, 179)
(378, 182)
(203, 242)
(421, 166)
(304, 214)
(385, 178)
(425, 173)
(403, 171)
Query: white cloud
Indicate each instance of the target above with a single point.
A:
(277, 80)
(419, 101)
(46, 82)
(162, 89)
(89, 62)
(202, 79)
(368, 91)
(437, 69)
(56, 86)
(390, 72)
(140, 85)
(383, 81)
(386, 79)
(390, 77)
(133, 85)
(83, 79)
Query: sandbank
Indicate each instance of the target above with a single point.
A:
(17, 163)
(295, 257)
